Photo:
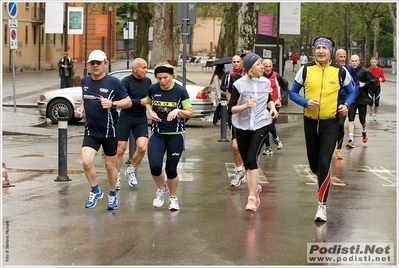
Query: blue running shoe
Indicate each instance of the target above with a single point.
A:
(112, 202)
(93, 197)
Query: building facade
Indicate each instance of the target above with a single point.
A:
(38, 50)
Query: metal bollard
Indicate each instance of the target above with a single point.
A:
(223, 120)
(132, 148)
(62, 145)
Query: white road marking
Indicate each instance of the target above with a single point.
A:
(305, 173)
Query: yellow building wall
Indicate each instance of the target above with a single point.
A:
(206, 34)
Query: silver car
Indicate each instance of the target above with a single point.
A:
(70, 98)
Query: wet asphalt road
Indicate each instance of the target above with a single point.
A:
(45, 222)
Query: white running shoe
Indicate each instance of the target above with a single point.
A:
(278, 142)
(238, 178)
(268, 151)
(160, 197)
(371, 112)
(173, 203)
(258, 191)
(321, 214)
(130, 173)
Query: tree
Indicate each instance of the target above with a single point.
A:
(143, 24)
(163, 33)
(246, 24)
(228, 38)
(393, 16)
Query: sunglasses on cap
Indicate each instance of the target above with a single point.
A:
(96, 62)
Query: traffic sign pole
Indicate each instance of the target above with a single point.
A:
(12, 9)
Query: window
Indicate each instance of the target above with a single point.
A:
(26, 35)
(6, 35)
(42, 35)
(34, 34)
(54, 39)
(26, 5)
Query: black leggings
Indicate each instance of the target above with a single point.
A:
(321, 137)
(249, 144)
(272, 130)
(362, 112)
(374, 95)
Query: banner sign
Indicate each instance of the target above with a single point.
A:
(265, 24)
(290, 18)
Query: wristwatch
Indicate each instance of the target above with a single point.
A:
(114, 104)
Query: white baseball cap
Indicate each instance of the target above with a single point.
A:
(97, 55)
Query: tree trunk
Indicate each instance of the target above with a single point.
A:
(246, 22)
(143, 24)
(394, 30)
(163, 34)
(228, 37)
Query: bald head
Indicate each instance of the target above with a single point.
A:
(237, 62)
(267, 66)
(139, 68)
(340, 56)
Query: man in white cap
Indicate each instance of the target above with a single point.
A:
(101, 96)
(322, 81)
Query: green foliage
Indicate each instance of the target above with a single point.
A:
(385, 45)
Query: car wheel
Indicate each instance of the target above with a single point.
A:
(55, 105)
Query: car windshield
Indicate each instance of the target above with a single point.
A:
(180, 79)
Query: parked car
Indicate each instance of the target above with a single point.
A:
(70, 98)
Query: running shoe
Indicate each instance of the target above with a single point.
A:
(93, 197)
(278, 142)
(173, 203)
(112, 202)
(374, 117)
(251, 204)
(130, 173)
(268, 151)
(160, 197)
(118, 182)
(365, 137)
(338, 154)
(321, 214)
(257, 193)
(371, 112)
(238, 178)
(350, 144)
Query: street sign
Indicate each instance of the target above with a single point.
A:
(12, 9)
(12, 23)
(13, 39)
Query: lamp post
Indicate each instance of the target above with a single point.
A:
(86, 19)
(127, 46)
(257, 7)
(110, 7)
(135, 33)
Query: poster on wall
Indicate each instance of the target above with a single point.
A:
(54, 23)
(75, 20)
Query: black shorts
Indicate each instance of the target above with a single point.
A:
(138, 126)
(109, 145)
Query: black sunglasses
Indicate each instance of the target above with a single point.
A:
(94, 62)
